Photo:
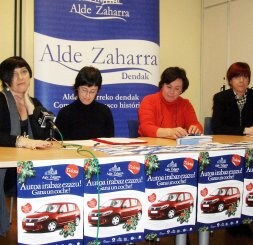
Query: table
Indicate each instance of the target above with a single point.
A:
(10, 156)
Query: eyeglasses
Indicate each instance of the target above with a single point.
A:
(85, 91)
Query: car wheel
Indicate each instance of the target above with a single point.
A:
(171, 213)
(77, 221)
(220, 207)
(52, 226)
(238, 203)
(115, 220)
(139, 215)
(191, 208)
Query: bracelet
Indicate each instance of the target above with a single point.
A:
(18, 141)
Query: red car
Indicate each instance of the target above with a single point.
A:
(249, 199)
(170, 205)
(115, 210)
(52, 215)
(221, 199)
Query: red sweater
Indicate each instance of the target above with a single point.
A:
(155, 112)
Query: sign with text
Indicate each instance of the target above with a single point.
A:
(247, 204)
(220, 189)
(50, 202)
(171, 191)
(119, 37)
(114, 200)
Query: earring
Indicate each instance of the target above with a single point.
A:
(7, 88)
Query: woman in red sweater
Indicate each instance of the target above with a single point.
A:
(166, 114)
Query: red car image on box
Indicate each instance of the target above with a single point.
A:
(171, 205)
(116, 210)
(220, 199)
(51, 216)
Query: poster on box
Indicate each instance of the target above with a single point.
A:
(247, 204)
(114, 200)
(171, 189)
(50, 202)
(220, 189)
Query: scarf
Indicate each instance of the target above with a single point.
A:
(14, 115)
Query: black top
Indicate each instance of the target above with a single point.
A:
(79, 122)
(5, 124)
(226, 117)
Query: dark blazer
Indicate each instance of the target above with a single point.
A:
(5, 124)
(226, 118)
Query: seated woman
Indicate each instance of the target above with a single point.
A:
(18, 125)
(233, 115)
(166, 114)
(85, 118)
(233, 108)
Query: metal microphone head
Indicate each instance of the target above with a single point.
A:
(43, 116)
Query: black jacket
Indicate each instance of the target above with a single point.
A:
(226, 118)
(5, 124)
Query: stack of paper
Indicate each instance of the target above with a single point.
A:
(194, 140)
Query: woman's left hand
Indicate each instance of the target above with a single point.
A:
(194, 130)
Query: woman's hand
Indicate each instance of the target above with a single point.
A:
(175, 133)
(23, 142)
(194, 130)
(248, 131)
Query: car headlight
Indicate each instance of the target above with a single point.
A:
(43, 218)
(165, 206)
(214, 200)
(106, 213)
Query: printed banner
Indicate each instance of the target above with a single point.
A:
(50, 202)
(247, 204)
(220, 189)
(114, 200)
(119, 37)
(171, 193)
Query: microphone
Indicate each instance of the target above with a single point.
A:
(44, 118)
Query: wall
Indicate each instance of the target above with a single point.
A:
(227, 38)
(180, 28)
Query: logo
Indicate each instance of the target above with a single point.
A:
(100, 9)
(236, 160)
(188, 163)
(51, 174)
(134, 167)
(115, 171)
(171, 167)
(221, 163)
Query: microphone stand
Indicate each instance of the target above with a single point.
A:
(51, 135)
(52, 128)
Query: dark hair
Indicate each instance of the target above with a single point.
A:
(8, 66)
(170, 74)
(88, 76)
(238, 69)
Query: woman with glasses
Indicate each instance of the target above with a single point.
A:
(166, 114)
(85, 118)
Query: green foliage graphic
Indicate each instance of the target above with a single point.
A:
(91, 168)
(184, 216)
(151, 164)
(249, 158)
(204, 161)
(24, 170)
(68, 230)
(131, 223)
